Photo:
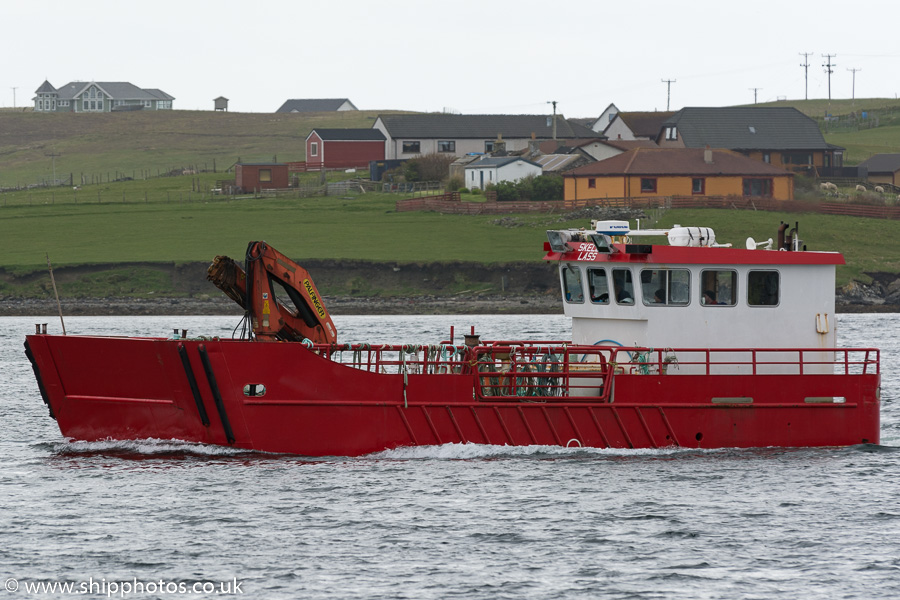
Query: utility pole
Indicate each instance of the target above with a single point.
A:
(754, 93)
(805, 65)
(668, 83)
(553, 102)
(14, 96)
(853, 97)
(828, 64)
(53, 156)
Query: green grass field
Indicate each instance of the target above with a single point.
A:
(177, 220)
(364, 227)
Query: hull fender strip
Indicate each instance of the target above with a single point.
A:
(214, 387)
(198, 400)
(37, 375)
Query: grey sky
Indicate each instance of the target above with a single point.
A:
(471, 56)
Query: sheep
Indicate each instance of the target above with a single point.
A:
(832, 186)
(879, 189)
(860, 188)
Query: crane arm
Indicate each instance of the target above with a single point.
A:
(279, 295)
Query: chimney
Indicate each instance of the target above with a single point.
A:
(707, 156)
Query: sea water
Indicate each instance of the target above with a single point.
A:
(162, 519)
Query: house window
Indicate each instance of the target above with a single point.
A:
(572, 288)
(762, 288)
(489, 146)
(446, 146)
(314, 149)
(796, 158)
(718, 288)
(698, 185)
(666, 287)
(758, 187)
(411, 147)
(648, 185)
(265, 175)
(767, 158)
(671, 133)
(592, 183)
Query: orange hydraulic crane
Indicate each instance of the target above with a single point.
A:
(278, 294)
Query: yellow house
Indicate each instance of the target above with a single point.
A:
(652, 172)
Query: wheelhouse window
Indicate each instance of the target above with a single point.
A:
(718, 288)
(648, 185)
(598, 286)
(623, 286)
(314, 148)
(573, 291)
(446, 146)
(698, 185)
(411, 147)
(758, 187)
(265, 175)
(763, 288)
(666, 287)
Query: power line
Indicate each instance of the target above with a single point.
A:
(805, 65)
(828, 64)
(668, 83)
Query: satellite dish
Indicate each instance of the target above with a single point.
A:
(753, 244)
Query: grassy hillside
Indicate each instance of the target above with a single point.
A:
(363, 227)
(34, 146)
(133, 143)
(175, 220)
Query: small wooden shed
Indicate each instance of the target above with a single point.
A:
(252, 177)
(343, 148)
(221, 103)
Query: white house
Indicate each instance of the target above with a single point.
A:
(493, 170)
(93, 96)
(605, 118)
(411, 135)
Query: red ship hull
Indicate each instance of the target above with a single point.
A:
(289, 398)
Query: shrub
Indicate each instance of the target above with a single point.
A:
(454, 183)
(547, 188)
(428, 167)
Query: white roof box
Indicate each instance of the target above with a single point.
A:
(611, 227)
(692, 236)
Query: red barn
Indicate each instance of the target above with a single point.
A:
(343, 148)
(260, 176)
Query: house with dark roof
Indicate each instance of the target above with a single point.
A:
(316, 105)
(456, 135)
(780, 136)
(491, 170)
(635, 125)
(652, 172)
(95, 96)
(881, 168)
(343, 148)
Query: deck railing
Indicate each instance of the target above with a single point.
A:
(509, 370)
